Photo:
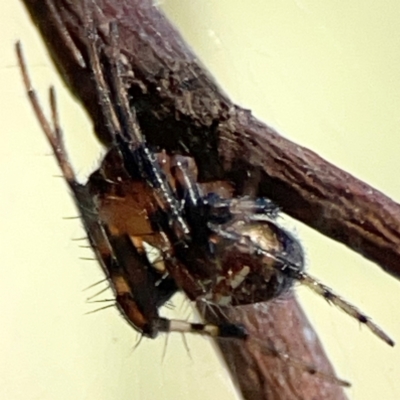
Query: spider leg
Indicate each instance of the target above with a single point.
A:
(254, 209)
(197, 195)
(124, 126)
(185, 174)
(136, 154)
(295, 271)
(102, 89)
(97, 235)
(137, 299)
(82, 197)
(246, 208)
(131, 131)
(54, 136)
(136, 295)
(221, 330)
(329, 295)
(69, 43)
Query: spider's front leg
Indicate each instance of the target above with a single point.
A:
(139, 288)
(138, 167)
(215, 200)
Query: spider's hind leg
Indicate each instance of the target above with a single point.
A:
(344, 305)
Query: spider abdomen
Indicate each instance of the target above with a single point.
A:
(255, 264)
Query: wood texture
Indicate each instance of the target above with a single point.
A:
(181, 109)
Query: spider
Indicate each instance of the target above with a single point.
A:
(222, 249)
(229, 251)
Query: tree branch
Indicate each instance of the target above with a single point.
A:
(181, 109)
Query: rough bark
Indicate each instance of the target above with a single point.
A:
(181, 109)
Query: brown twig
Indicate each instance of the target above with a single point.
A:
(263, 371)
(180, 108)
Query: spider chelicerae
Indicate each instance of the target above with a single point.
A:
(222, 249)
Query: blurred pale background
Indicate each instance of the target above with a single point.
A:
(325, 74)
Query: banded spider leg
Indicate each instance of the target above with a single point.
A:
(246, 226)
(124, 127)
(220, 237)
(139, 288)
(142, 164)
(208, 217)
(238, 280)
